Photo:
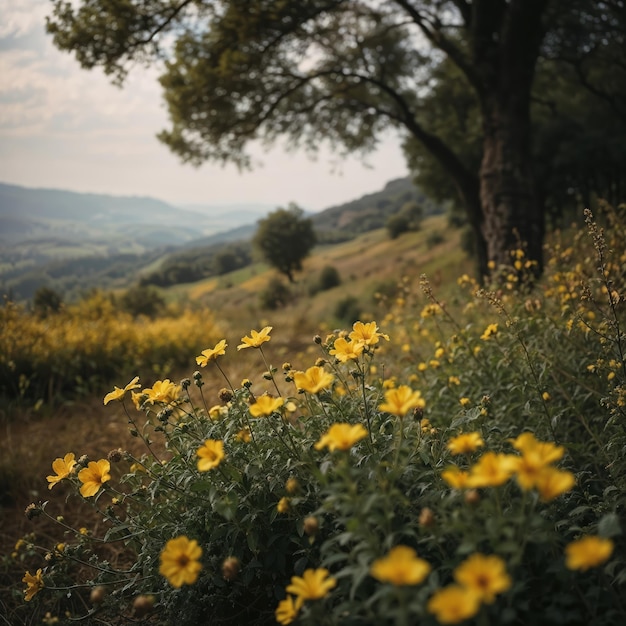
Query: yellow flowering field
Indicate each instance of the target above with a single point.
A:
(90, 343)
(451, 462)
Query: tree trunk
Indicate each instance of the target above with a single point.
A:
(512, 217)
(506, 47)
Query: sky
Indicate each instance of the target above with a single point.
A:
(63, 127)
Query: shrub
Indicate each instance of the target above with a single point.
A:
(329, 278)
(46, 301)
(275, 295)
(348, 309)
(142, 300)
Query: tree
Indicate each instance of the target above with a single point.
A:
(285, 238)
(47, 301)
(241, 70)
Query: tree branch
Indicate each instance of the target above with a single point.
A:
(435, 35)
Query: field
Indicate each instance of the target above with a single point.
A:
(457, 456)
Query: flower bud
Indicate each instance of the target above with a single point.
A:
(230, 568)
(32, 510)
(317, 339)
(310, 525)
(97, 594)
(225, 395)
(115, 456)
(143, 605)
(472, 497)
(426, 518)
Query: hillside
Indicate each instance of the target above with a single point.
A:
(370, 266)
(73, 242)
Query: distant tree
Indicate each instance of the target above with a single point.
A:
(47, 301)
(284, 238)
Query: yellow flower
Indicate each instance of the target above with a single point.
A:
(34, 584)
(265, 405)
(455, 477)
(63, 468)
(211, 454)
(256, 338)
(586, 552)
(314, 380)
(118, 394)
(244, 435)
(211, 354)
(491, 470)
(346, 350)
(287, 611)
(465, 443)
(313, 585)
(453, 604)
(552, 482)
(464, 401)
(180, 561)
(546, 451)
(484, 575)
(366, 334)
(163, 391)
(341, 436)
(93, 477)
(489, 332)
(401, 400)
(284, 504)
(401, 566)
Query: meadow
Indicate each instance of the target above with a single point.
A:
(455, 455)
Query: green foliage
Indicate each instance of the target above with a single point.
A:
(188, 266)
(285, 238)
(328, 278)
(142, 300)
(513, 449)
(348, 310)
(46, 301)
(373, 211)
(276, 295)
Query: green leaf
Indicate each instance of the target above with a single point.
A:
(609, 526)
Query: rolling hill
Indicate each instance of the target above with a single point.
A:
(72, 242)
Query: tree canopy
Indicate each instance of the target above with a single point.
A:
(347, 70)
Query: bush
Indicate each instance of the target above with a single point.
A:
(434, 239)
(142, 300)
(397, 225)
(348, 310)
(46, 301)
(276, 295)
(329, 278)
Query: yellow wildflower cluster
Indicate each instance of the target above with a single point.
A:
(533, 468)
(479, 579)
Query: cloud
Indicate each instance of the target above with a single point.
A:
(64, 127)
